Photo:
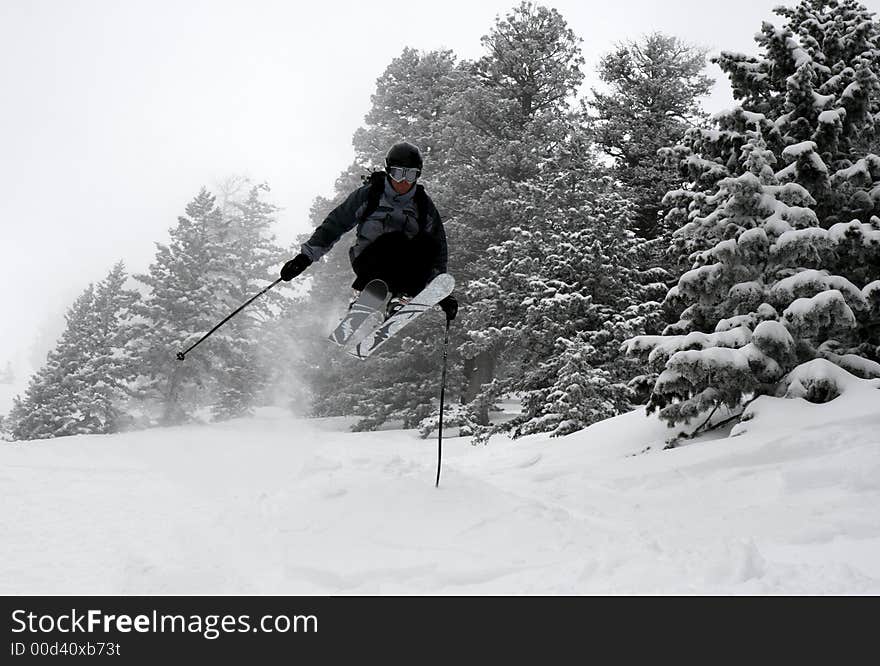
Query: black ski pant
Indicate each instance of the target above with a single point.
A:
(404, 264)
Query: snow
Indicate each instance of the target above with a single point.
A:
(713, 357)
(853, 90)
(736, 321)
(756, 236)
(832, 116)
(857, 365)
(811, 236)
(749, 117)
(822, 102)
(798, 54)
(826, 301)
(276, 505)
(823, 370)
(773, 331)
(799, 150)
(860, 171)
(796, 150)
(839, 232)
(664, 346)
(818, 281)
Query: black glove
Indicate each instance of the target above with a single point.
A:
(450, 307)
(294, 267)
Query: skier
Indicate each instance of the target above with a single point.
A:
(400, 238)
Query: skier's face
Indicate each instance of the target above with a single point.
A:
(402, 186)
(402, 177)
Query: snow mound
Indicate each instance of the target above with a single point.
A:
(819, 378)
(279, 505)
(811, 394)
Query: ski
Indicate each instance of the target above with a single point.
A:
(436, 290)
(363, 315)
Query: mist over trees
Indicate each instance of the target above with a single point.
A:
(729, 257)
(115, 366)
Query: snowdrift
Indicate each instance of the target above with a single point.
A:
(276, 505)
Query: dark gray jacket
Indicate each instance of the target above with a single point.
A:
(411, 213)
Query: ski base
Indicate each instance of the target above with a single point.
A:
(436, 290)
(363, 315)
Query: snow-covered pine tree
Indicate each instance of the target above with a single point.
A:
(182, 304)
(502, 116)
(81, 389)
(654, 88)
(50, 407)
(214, 262)
(11, 420)
(251, 261)
(786, 269)
(109, 369)
(567, 278)
(411, 102)
(509, 130)
(491, 128)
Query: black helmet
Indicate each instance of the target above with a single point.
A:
(404, 154)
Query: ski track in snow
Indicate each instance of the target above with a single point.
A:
(276, 505)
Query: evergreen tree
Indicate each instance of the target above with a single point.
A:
(110, 369)
(410, 103)
(509, 129)
(818, 82)
(498, 134)
(785, 268)
(50, 407)
(533, 58)
(182, 304)
(653, 98)
(213, 263)
(81, 388)
(251, 260)
(563, 294)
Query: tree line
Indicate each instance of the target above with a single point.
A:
(610, 249)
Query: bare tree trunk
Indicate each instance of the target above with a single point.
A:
(478, 371)
(171, 409)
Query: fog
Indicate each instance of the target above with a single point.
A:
(116, 113)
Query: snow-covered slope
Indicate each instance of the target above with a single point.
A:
(277, 505)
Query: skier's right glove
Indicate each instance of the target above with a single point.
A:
(450, 307)
(294, 267)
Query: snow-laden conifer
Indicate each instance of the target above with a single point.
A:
(779, 221)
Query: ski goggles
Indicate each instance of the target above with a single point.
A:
(399, 174)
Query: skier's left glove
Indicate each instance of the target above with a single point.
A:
(450, 307)
(294, 267)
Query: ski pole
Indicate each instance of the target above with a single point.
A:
(182, 355)
(442, 398)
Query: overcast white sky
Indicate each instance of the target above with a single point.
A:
(115, 112)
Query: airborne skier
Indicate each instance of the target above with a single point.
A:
(400, 238)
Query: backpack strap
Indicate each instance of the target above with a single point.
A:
(422, 205)
(376, 181)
